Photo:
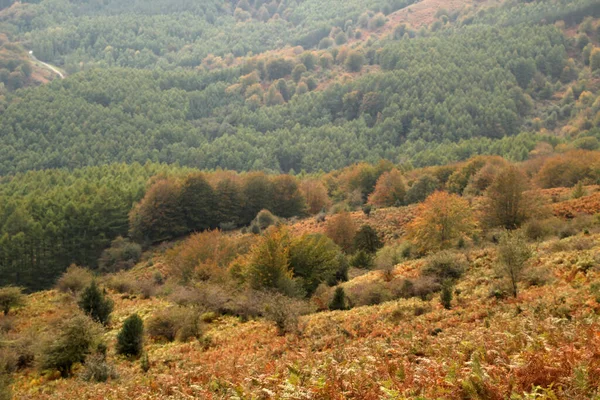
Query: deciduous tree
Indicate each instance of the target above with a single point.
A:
(442, 219)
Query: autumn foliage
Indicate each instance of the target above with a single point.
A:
(441, 220)
(390, 190)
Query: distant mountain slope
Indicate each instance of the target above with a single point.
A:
(476, 80)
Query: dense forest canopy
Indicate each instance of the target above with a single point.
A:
(477, 83)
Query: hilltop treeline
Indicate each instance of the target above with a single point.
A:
(51, 219)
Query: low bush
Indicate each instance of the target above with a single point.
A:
(369, 293)
(265, 219)
(18, 354)
(284, 312)
(7, 324)
(362, 260)
(146, 288)
(536, 230)
(207, 296)
(122, 254)
(74, 280)
(425, 286)
(11, 297)
(174, 323)
(539, 276)
(120, 283)
(444, 265)
(97, 369)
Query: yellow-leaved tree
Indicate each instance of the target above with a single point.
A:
(442, 219)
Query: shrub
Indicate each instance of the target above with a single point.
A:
(204, 256)
(146, 288)
(386, 260)
(446, 296)
(537, 230)
(130, 340)
(96, 304)
(284, 312)
(362, 260)
(443, 266)
(74, 280)
(11, 297)
(425, 286)
(174, 323)
(98, 370)
(341, 275)
(145, 363)
(120, 283)
(122, 254)
(369, 293)
(70, 344)
(339, 300)
(265, 219)
(17, 354)
(7, 324)
(163, 325)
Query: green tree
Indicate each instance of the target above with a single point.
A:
(71, 344)
(367, 239)
(197, 200)
(339, 300)
(96, 304)
(130, 340)
(422, 188)
(158, 216)
(298, 72)
(506, 203)
(446, 295)
(524, 69)
(341, 38)
(595, 59)
(257, 192)
(269, 262)
(355, 61)
(314, 259)
(287, 200)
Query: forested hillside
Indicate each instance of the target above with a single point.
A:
(300, 199)
(331, 91)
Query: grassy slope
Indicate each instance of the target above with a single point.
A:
(494, 347)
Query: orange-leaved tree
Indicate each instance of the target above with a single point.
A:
(341, 228)
(441, 220)
(315, 194)
(390, 190)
